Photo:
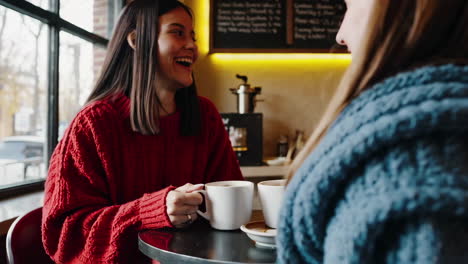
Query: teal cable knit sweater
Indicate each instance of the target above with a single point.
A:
(389, 181)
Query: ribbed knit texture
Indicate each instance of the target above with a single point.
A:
(389, 181)
(107, 182)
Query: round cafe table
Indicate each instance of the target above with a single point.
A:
(200, 243)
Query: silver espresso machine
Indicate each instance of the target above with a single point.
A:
(245, 128)
(246, 100)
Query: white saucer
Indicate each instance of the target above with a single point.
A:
(259, 232)
(279, 161)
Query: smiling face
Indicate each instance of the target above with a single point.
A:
(354, 23)
(177, 49)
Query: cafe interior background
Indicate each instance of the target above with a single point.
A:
(296, 87)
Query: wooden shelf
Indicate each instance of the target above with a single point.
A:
(264, 171)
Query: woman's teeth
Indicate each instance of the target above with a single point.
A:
(185, 61)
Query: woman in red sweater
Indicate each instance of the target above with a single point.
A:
(143, 131)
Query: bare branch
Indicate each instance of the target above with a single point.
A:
(23, 20)
(2, 28)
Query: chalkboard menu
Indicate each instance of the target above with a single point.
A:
(275, 25)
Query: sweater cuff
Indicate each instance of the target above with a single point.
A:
(153, 209)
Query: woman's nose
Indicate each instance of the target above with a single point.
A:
(340, 39)
(190, 44)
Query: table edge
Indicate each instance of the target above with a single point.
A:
(166, 255)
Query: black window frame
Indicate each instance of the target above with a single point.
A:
(55, 24)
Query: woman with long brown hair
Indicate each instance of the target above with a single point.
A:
(384, 176)
(143, 132)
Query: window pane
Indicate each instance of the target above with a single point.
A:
(80, 64)
(92, 15)
(44, 4)
(23, 104)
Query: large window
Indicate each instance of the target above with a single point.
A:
(50, 54)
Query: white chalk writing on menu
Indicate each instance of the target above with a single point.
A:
(316, 19)
(261, 17)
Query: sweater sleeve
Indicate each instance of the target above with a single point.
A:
(222, 161)
(407, 205)
(81, 223)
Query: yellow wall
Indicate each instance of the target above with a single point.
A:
(295, 87)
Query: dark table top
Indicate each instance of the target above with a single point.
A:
(200, 243)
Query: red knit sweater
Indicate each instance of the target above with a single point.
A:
(107, 182)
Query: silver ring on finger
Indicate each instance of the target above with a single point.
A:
(190, 220)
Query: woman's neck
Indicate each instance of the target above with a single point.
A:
(167, 99)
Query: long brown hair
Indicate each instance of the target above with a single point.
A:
(401, 35)
(133, 71)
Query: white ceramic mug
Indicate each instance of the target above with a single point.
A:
(271, 197)
(228, 204)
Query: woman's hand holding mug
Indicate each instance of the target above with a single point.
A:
(182, 204)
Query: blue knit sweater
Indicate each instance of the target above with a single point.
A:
(389, 181)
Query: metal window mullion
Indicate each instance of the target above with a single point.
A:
(53, 84)
(53, 91)
(81, 33)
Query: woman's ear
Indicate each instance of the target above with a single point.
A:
(131, 39)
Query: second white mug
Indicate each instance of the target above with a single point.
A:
(271, 198)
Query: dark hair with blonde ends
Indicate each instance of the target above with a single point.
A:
(402, 35)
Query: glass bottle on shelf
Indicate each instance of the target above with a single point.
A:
(282, 146)
(295, 146)
(298, 143)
